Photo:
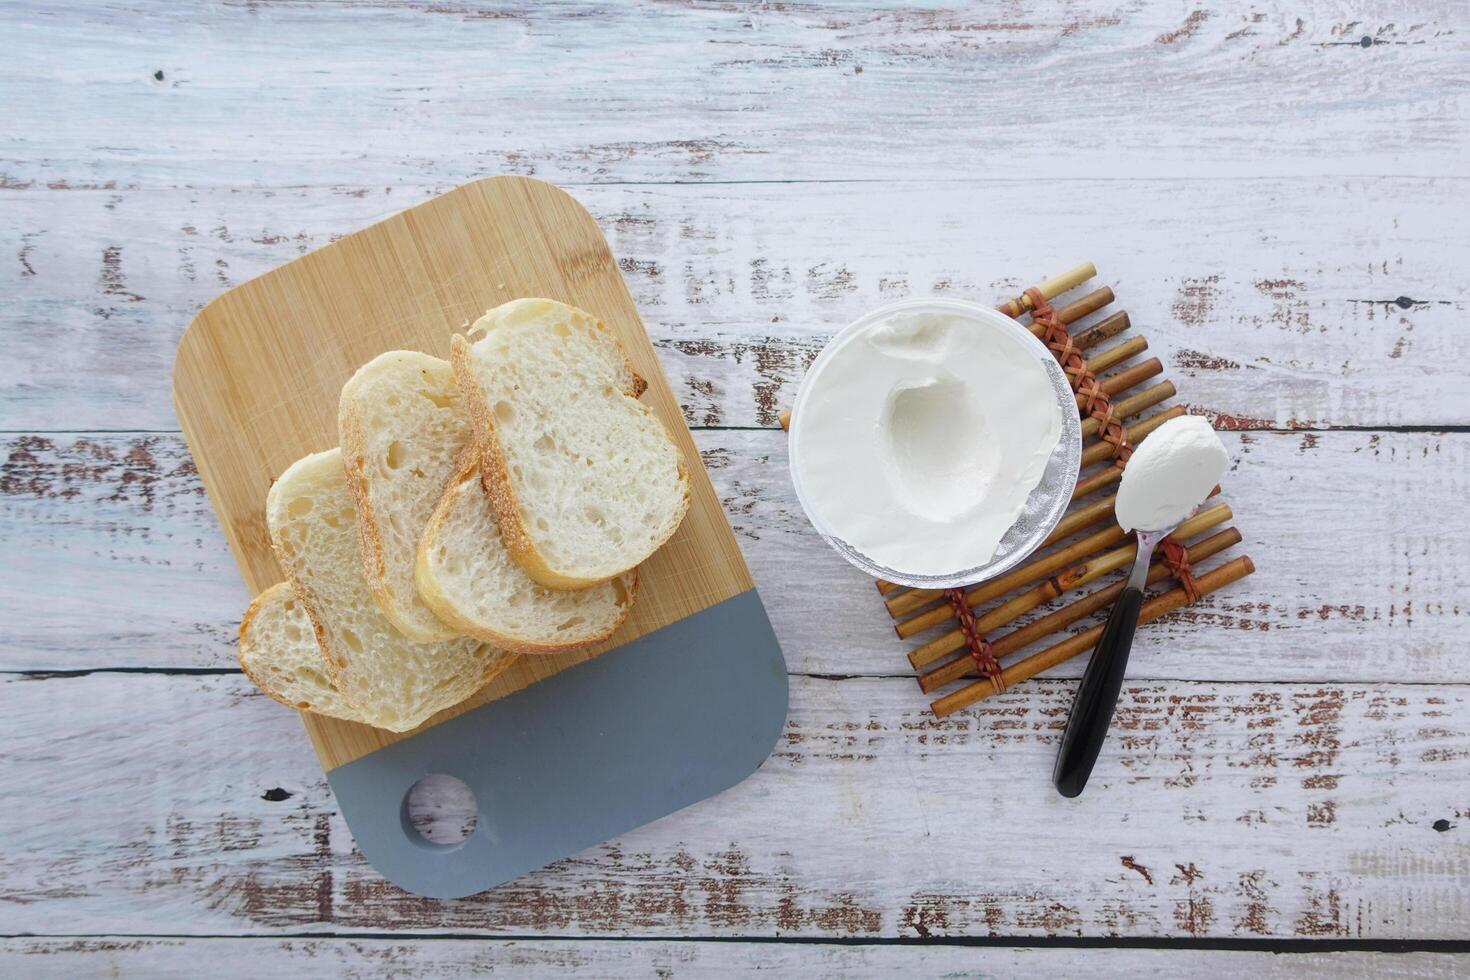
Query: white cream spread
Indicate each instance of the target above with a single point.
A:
(921, 436)
(1169, 473)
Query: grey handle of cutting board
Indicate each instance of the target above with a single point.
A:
(643, 730)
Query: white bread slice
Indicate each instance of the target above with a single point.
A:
(583, 478)
(279, 652)
(401, 429)
(394, 682)
(466, 575)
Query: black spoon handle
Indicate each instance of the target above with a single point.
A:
(1097, 696)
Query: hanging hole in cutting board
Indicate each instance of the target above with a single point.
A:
(439, 811)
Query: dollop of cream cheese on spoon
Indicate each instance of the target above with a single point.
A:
(921, 438)
(1169, 474)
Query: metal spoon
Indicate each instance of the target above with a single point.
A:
(1097, 695)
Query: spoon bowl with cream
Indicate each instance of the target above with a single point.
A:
(935, 443)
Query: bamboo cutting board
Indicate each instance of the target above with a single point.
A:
(695, 687)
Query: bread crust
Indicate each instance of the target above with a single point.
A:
(495, 473)
(442, 607)
(374, 559)
(256, 606)
(335, 663)
(492, 661)
(499, 662)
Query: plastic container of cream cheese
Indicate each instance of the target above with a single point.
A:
(935, 443)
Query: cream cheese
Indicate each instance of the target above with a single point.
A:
(920, 438)
(1169, 474)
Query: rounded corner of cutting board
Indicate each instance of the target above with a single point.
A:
(531, 187)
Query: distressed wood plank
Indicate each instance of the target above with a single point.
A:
(449, 958)
(115, 559)
(1305, 302)
(1278, 297)
(1217, 810)
(287, 93)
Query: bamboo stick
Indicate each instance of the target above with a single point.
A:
(1082, 306)
(1086, 305)
(1067, 576)
(996, 587)
(1050, 288)
(1078, 575)
(1081, 517)
(1107, 476)
(1109, 326)
(1078, 309)
(1131, 406)
(1090, 515)
(1099, 451)
(1127, 378)
(907, 602)
(1117, 354)
(1159, 605)
(1108, 537)
(964, 664)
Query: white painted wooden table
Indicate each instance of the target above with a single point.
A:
(1278, 192)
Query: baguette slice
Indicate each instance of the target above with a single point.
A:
(279, 652)
(583, 478)
(466, 575)
(395, 683)
(401, 430)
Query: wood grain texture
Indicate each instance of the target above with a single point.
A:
(258, 372)
(1217, 810)
(1307, 302)
(285, 93)
(350, 959)
(1379, 598)
(1276, 191)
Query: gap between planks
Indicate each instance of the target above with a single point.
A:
(112, 187)
(1288, 946)
(1048, 676)
(1420, 428)
(391, 956)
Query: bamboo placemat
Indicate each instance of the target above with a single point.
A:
(1113, 397)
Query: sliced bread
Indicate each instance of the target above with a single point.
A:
(401, 431)
(395, 682)
(279, 652)
(583, 478)
(468, 578)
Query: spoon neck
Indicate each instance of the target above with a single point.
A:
(1147, 542)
